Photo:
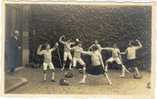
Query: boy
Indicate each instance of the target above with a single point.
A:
(116, 56)
(47, 53)
(67, 54)
(97, 65)
(131, 55)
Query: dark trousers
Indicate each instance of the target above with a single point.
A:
(13, 59)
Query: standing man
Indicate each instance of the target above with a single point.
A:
(67, 54)
(131, 56)
(77, 54)
(12, 51)
(116, 56)
(97, 66)
(47, 53)
(77, 59)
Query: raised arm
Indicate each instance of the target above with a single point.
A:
(61, 39)
(39, 52)
(139, 44)
(54, 48)
(91, 47)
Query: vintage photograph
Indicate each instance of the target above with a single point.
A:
(82, 49)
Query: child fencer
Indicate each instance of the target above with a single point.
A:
(116, 57)
(131, 56)
(47, 53)
(67, 53)
(97, 66)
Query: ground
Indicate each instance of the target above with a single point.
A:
(95, 84)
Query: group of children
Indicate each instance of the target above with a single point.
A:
(97, 65)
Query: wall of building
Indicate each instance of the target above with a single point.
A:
(17, 19)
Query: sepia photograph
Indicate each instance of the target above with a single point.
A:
(83, 49)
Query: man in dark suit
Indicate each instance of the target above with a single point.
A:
(12, 50)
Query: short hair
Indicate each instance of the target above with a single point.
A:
(131, 42)
(94, 48)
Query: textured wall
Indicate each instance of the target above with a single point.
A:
(108, 24)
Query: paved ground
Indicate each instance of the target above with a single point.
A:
(12, 82)
(95, 84)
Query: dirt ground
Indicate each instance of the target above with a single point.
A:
(95, 84)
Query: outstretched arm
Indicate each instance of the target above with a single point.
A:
(123, 53)
(39, 52)
(139, 44)
(107, 48)
(72, 43)
(61, 39)
(86, 52)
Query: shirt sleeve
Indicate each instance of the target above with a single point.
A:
(61, 41)
(52, 49)
(91, 46)
(41, 52)
(118, 50)
(137, 47)
(107, 48)
(72, 43)
(126, 51)
(87, 52)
